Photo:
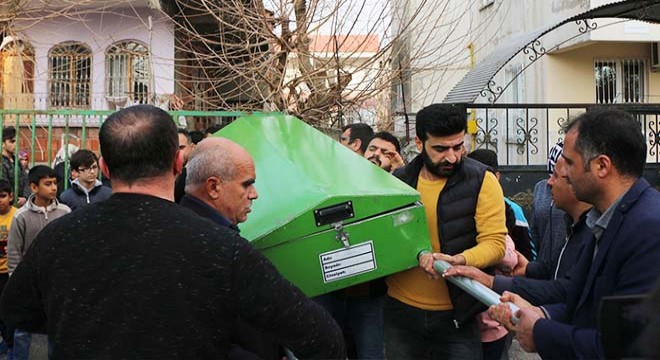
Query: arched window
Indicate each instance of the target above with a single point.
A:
(16, 74)
(70, 76)
(128, 71)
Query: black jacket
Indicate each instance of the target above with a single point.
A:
(76, 197)
(457, 229)
(552, 290)
(148, 279)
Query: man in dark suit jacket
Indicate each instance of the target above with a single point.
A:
(605, 153)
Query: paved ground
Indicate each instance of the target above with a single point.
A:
(516, 353)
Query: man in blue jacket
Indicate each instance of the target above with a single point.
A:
(605, 154)
(553, 288)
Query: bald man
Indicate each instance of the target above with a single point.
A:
(220, 187)
(221, 175)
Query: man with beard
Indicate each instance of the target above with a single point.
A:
(426, 317)
(605, 153)
(383, 150)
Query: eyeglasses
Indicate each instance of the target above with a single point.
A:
(90, 169)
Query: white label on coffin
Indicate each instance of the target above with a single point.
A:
(351, 261)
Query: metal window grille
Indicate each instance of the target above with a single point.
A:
(620, 81)
(605, 77)
(70, 76)
(128, 71)
(633, 73)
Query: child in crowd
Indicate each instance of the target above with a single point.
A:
(86, 189)
(7, 212)
(24, 160)
(41, 208)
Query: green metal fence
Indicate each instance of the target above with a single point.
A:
(35, 130)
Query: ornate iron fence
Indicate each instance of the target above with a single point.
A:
(522, 134)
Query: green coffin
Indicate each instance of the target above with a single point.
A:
(326, 217)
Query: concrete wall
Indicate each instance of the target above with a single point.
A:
(99, 31)
(570, 75)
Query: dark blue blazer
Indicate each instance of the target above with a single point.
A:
(626, 263)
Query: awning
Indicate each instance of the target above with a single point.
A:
(480, 79)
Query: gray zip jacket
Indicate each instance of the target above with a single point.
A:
(28, 222)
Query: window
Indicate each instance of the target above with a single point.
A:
(69, 76)
(16, 74)
(513, 77)
(128, 71)
(620, 81)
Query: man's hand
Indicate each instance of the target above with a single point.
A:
(452, 259)
(521, 268)
(525, 328)
(426, 263)
(502, 312)
(395, 159)
(470, 272)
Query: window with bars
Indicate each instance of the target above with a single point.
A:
(620, 80)
(17, 68)
(70, 76)
(127, 71)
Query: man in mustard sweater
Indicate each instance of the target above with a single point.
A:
(426, 317)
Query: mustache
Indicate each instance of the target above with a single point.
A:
(375, 159)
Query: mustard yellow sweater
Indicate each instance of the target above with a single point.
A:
(412, 286)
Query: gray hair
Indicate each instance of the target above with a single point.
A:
(214, 161)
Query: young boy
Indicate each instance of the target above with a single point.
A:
(86, 189)
(41, 208)
(7, 212)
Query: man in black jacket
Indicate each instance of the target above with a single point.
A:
(427, 317)
(220, 187)
(138, 276)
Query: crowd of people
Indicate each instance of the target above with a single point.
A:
(156, 267)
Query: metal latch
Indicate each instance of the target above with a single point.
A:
(342, 236)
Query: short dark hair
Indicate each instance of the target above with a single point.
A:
(8, 133)
(138, 142)
(196, 136)
(41, 172)
(487, 157)
(389, 138)
(440, 120)
(614, 133)
(185, 133)
(83, 157)
(360, 131)
(213, 129)
(5, 186)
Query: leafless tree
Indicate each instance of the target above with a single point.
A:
(325, 61)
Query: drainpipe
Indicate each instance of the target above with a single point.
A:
(472, 123)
